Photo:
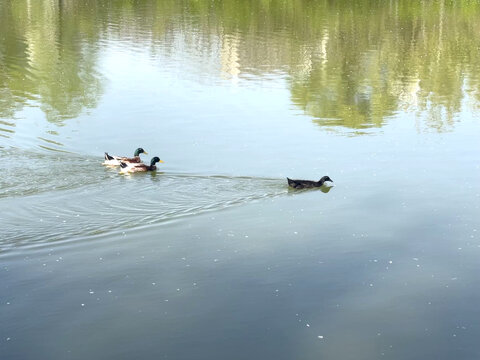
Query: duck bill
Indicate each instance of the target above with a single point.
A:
(161, 161)
(146, 153)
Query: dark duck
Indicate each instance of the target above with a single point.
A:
(307, 184)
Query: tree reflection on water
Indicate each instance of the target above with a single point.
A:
(347, 64)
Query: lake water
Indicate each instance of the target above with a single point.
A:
(212, 256)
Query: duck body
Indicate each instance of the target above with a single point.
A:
(134, 167)
(113, 160)
(307, 184)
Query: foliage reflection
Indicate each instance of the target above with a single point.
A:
(348, 64)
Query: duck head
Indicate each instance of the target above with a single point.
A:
(324, 178)
(139, 151)
(155, 160)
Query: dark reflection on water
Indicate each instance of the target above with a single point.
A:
(347, 65)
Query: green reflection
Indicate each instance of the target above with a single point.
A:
(48, 55)
(347, 63)
(354, 64)
(372, 59)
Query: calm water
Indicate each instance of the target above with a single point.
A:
(213, 257)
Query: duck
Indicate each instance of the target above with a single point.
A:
(132, 167)
(113, 160)
(304, 184)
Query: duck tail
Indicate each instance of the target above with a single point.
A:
(108, 157)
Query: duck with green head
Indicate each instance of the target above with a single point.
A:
(131, 167)
(113, 160)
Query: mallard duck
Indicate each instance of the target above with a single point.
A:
(302, 184)
(112, 160)
(132, 167)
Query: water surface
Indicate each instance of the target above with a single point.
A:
(212, 256)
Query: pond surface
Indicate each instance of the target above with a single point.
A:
(212, 256)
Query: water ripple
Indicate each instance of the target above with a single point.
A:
(90, 200)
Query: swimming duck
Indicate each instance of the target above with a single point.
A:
(302, 184)
(112, 160)
(132, 167)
